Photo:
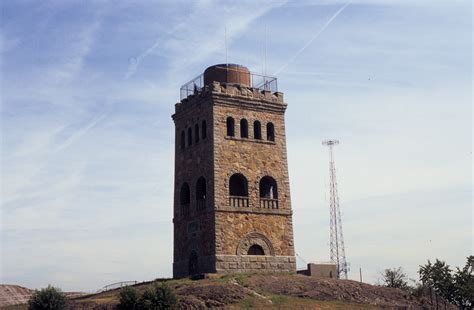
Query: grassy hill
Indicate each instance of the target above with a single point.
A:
(271, 291)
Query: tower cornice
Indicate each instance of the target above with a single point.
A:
(234, 95)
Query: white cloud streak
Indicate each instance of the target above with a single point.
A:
(298, 53)
(135, 62)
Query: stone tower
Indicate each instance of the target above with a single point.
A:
(232, 207)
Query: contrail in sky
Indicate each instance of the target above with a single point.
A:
(135, 62)
(313, 38)
(80, 132)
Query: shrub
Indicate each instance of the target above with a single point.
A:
(395, 278)
(49, 298)
(129, 299)
(158, 296)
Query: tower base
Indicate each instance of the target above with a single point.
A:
(225, 264)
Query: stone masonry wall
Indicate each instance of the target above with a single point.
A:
(254, 263)
(194, 232)
(254, 159)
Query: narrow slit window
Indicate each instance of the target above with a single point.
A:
(270, 132)
(230, 127)
(183, 140)
(203, 130)
(196, 133)
(190, 137)
(257, 130)
(244, 128)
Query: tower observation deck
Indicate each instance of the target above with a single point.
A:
(230, 74)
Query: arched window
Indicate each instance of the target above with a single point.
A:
(268, 188)
(204, 130)
(182, 140)
(238, 185)
(230, 127)
(196, 133)
(201, 194)
(193, 263)
(184, 199)
(256, 250)
(190, 136)
(257, 130)
(270, 132)
(244, 128)
(184, 196)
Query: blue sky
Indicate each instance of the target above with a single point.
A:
(88, 88)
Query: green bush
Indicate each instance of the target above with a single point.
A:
(395, 278)
(49, 298)
(158, 296)
(129, 299)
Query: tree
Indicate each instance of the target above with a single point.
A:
(49, 298)
(464, 285)
(438, 276)
(395, 278)
(158, 296)
(129, 299)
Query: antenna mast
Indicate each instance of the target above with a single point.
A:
(225, 43)
(336, 239)
(265, 60)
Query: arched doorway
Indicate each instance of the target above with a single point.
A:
(193, 263)
(255, 250)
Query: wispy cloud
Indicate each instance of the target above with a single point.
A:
(71, 134)
(316, 35)
(185, 46)
(73, 61)
(135, 62)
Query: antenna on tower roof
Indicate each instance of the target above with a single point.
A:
(225, 43)
(265, 57)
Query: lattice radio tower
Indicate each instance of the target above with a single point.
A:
(336, 239)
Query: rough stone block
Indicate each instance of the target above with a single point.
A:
(254, 265)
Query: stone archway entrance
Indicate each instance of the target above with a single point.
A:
(255, 250)
(255, 244)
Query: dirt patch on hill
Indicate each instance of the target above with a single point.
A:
(14, 295)
(201, 296)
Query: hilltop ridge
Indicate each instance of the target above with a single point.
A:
(273, 291)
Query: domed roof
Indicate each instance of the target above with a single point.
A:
(227, 73)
